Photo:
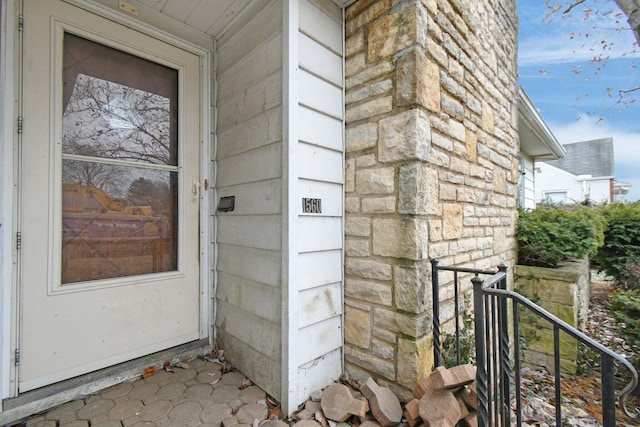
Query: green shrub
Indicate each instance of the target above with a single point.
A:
(547, 236)
(625, 306)
(620, 254)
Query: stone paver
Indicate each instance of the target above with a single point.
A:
(117, 391)
(215, 413)
(338, 403)
(145, 392)
(383, 402)
(233, 378)
(109, 423)
(186, 414)
(170, 391)
(198, 394)
(124, 408)
(95, 410)
(225, 393)
(253, 411)
(252, 394)
(155, 410)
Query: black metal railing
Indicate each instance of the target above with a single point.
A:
(497, 348)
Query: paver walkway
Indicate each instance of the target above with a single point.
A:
(196, 394)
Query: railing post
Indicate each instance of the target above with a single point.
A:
(481, 356)
(608, 390)
(435, 296)
(505, 367)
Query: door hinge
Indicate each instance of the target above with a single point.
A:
(21, 23)
(17, 357)
(20, 124)
(19, 240)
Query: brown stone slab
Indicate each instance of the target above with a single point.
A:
(422, 387)
(310, 408)
(412, 412)
(338, 403)
(452, 378)
(470, 420)
(469, 396)
(439, 408)
(384, 404)
(464, 411)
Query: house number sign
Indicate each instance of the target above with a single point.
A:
(311, 205)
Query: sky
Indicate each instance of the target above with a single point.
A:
(580, 106)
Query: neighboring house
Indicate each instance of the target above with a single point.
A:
(266, 177)
(537, 143)
(586, 173)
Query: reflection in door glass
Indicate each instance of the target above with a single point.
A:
(106, 119)
(119, 164)
(122, 228)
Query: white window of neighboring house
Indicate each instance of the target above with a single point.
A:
(556, 197)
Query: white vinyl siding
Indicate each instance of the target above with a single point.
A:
(249, 166)
(320, 169)
(526, 184)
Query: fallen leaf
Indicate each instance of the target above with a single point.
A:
(149, 372)
(274, 413)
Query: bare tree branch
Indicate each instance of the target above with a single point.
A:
(572, 5)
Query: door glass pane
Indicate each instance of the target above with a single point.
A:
(119, 164)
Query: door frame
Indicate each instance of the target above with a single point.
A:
(10, 110)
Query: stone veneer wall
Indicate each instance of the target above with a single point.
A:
(431, 167)
(564, 292)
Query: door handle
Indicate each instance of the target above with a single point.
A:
(195, 187)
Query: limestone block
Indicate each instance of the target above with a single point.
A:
(354, 44)
(368, 269)
(415, 359)
(452, 224)
(406, 323)
(384, 404)
(369, 91)
(487, 117)
(366, 110)
(357, 247)
(365, 290)
(457, 130)
(338, 403)
(361, 137)
(375, 181)
(397, 31)
(405, 136)
(401, 238)
(418, 190)
(350, 176)
(373, 205)
(357, 327)
(417, 81)
(412, 288)
(355, 64)
(357, 226)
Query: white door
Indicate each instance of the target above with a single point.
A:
(109, 209)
